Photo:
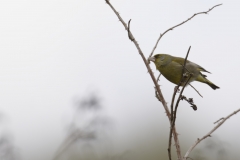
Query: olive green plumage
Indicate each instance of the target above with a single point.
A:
(171, 68)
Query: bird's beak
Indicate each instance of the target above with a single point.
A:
(152, 59)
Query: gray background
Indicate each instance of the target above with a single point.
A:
(54, 51)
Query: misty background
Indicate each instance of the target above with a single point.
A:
(59, 56)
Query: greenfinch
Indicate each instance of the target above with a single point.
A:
(171, 68)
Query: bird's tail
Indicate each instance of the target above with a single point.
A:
(213, 86)
(203, 79)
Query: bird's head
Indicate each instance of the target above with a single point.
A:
(160, 59)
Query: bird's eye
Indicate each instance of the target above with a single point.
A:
(162, 58)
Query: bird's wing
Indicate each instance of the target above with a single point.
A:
(202, 69)
(178, 60)
(181, 62)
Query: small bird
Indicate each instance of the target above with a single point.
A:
(171, 68)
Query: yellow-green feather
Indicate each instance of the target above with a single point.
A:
(171, 68)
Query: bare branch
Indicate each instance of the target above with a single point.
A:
(195, 90)
(174, 118)
(185, 60)
(174, 112)
(176, 89)
(160, 95)
(144, 60)
(209, 133)
(161, 35)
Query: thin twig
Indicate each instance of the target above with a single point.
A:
(174, 118)
(143, 58)
(175, 135)
(195, 90)
(219, 120)
(185, 60)
(209, 133)
(129, 35)
(161, 35)
(179, 98)
(185, 67)
(171, 126)
(176, 89)
(174, 112)
(159, 77)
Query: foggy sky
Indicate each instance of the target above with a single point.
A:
(54, 51)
